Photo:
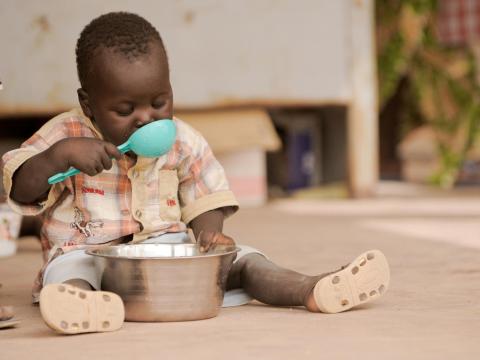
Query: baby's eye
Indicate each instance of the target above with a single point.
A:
(158, 104)
(125, 111)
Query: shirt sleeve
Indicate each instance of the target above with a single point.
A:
(203, 185)
(12, 160)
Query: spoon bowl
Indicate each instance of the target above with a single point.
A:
(151, 140)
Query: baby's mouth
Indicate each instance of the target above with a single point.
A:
(126, 136)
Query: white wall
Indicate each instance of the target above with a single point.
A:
(222, 52)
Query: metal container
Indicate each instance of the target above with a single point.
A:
(166, 282)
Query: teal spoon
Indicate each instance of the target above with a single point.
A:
(151, 140)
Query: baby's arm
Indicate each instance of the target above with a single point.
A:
(91, 156)
(207, 228)
(203, 185)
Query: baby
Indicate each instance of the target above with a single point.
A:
(124, 76)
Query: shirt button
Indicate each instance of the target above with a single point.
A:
(125, 212)
(138, 213)
(135, 174)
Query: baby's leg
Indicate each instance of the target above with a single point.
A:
(269, 283)
(364, 279)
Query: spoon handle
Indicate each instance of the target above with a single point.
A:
(62, 176)
(124, 147)
(72, 171)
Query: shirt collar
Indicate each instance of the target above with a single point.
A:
(79, 112)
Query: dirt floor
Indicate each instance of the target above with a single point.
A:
(431, 311)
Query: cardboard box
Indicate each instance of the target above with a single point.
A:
(247, 175)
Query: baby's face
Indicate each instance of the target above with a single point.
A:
(124, 94)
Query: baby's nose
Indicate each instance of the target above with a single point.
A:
(144, 118)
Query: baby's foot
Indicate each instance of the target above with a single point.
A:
(71, 310)
(364, 279)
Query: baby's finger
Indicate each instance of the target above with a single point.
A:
(89, 169)
(213, 243)
(106, 161)
(112, 151)
(225, 240)
(98, 167)
(204, 240)
(201, 241)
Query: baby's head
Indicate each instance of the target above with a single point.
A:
(124, 75)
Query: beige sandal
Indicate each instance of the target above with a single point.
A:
(71, 310)
(364, 279)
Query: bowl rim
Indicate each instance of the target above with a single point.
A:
(94, 252)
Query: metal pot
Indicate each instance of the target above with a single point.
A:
(166, 282)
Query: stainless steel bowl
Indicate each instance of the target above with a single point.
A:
(166, 282)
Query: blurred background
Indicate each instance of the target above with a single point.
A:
(311, 99)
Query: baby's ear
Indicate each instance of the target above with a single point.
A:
(84, 102)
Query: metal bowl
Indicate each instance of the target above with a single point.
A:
(166, 282)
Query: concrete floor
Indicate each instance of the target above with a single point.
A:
(431, 311)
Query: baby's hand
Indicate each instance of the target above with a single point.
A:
(90, 156)
(208, 240)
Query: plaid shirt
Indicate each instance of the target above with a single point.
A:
(147, 197)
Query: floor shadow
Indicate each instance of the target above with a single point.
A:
(362, 307)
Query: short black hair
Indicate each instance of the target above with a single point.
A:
(126, 33)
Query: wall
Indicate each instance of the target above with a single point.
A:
(222, 52)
